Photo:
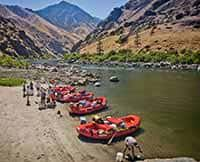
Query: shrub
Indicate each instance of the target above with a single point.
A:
(8, 61)
(124, 55)
(11, 82)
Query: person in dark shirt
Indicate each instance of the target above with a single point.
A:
(24, 90)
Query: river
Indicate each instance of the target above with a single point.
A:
(167, 101)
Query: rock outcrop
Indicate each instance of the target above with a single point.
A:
(16, 42)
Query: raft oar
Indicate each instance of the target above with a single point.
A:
(111, 139)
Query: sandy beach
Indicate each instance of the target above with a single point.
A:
(28, 134)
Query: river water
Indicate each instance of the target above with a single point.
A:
(167, 101)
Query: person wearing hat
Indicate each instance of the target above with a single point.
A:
(130, 144)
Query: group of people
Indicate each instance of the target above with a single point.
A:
(47, 97)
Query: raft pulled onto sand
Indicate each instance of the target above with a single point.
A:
(76, 97)
(88, 106)
(109, 128)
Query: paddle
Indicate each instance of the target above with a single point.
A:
(111, 139)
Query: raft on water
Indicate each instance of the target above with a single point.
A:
(109, 128)
(84, 107)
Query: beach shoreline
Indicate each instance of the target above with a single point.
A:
(28, 134)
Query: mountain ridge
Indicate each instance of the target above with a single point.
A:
(164, 17)
(49, 38)
(69, 17)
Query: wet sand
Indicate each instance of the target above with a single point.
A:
(29, 135)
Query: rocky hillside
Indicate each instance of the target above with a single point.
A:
(49, 39)
(159, 24)
(69, 17)
(14, 41)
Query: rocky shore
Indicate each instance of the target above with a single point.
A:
(148, 65)
(72, 75)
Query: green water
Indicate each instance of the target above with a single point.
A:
(168, 102)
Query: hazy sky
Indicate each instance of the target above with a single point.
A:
(99, 8)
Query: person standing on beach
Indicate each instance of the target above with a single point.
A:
(28, 96)
(31, 89)
(38, 86)
(43, 98)
(49, 94)
(130, 144)
(24, 90)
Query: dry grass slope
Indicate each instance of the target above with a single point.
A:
(164, 38)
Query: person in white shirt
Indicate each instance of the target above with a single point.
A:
(130, 144)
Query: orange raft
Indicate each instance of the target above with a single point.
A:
(88, 106)
(110, 127)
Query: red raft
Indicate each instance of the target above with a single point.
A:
(76, 97)
(64, 89)
(60, 91)
(88, 106)
(105, 130)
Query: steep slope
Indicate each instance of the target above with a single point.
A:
(15, 42)
(69, 17)
(49, 38)
(153, 20)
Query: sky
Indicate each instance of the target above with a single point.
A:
(98, 8)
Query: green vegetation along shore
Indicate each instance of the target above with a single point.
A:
(184, 57)
(8, 61)
(11, 82)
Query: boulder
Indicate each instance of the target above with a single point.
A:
(148, 65)
(54, 70)
(114, 79)
(174, 67)
(198, 69)
(97, 84)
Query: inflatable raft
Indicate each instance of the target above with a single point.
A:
(109, 128)
(84, 107)
(64, 89)
(76, 97)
